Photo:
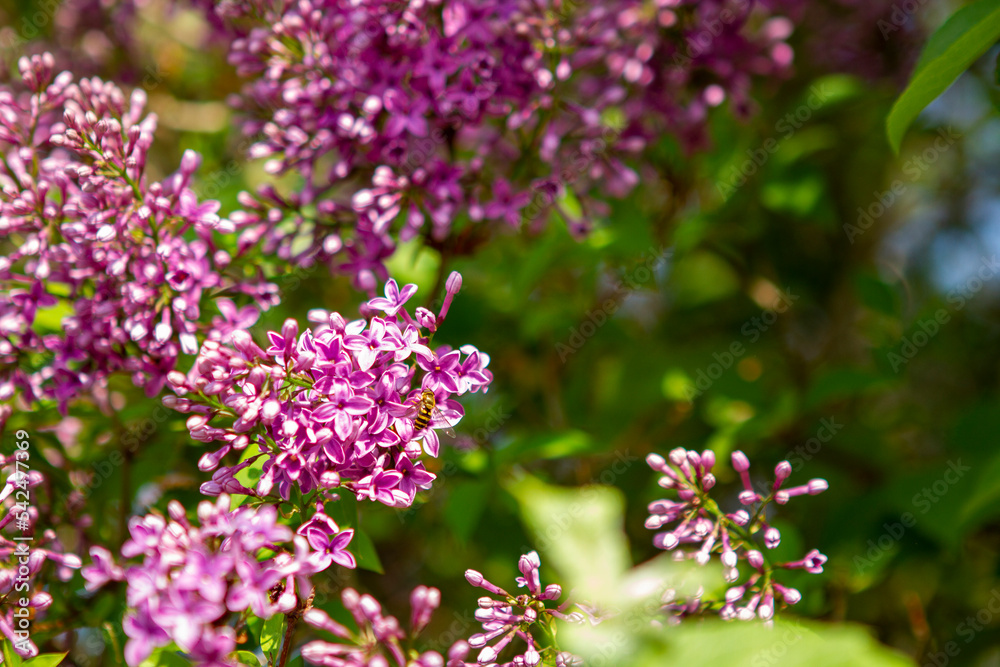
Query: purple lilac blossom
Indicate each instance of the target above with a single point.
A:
(45, 546)
(189, 582)
(380, 640)
(506, 617)
(699, 530)
(332, 407)
(103, 270)
(402, 118)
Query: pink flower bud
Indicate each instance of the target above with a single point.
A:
(454, 283)
(656, 462)
(772, 538)
(781, 473)
(817, 486)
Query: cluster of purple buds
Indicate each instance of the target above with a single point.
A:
(85, 235)
(505, 617)
(402, 117)
(26, 558)
(380, 640)
(192, 581)
(332, 407)
(699, 529)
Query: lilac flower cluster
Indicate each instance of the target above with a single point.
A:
(192, 581)
(698, 529)
(380, 639)
(102, 269)
(505, 617)
(335, 406)
(401, 118)
(26, 558)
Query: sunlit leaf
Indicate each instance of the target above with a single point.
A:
(968, 34)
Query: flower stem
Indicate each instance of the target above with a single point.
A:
(291, 620)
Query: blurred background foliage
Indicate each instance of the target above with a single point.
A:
(803, 205)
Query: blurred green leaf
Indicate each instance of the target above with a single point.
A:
(984, 502)
(10, 656)
(798, 193)
(165, 656)
(580, 530)
(701, 277)
(968, 34)
(790, 643)
(46, 660)
(50, 319)
(270, 634)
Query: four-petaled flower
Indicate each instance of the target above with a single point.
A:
(394, 298)
(328, 541)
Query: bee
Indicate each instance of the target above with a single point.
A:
(427, 412)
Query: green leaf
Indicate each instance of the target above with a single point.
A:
(248, 658)
(364, 552)
(580, 531)
(50, 319)
(982, 504)
(344, 511)
(466, 502)
(790, 643)
(165, 656)
(270, 635)
(255, 625)
(10, 656)
(638, 598)
(968, 34)
(46, 660)
(249, 476)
